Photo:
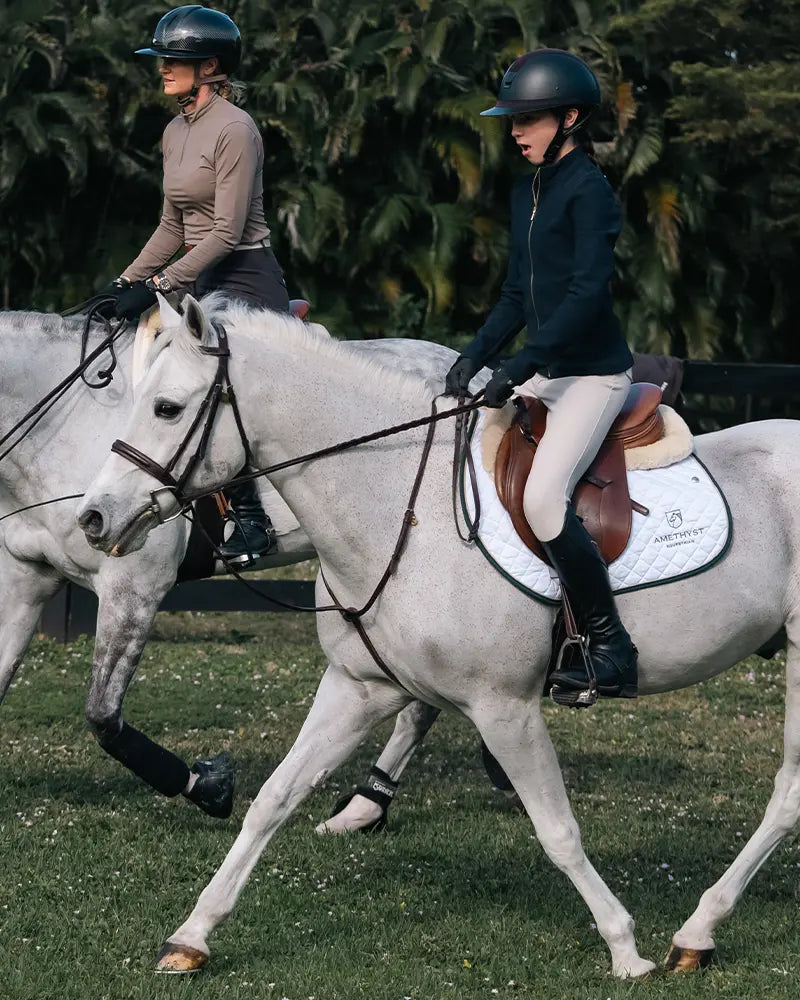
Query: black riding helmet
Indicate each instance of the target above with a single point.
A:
(195, 32)
(549, 80)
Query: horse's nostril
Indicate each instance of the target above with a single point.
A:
(92, 523)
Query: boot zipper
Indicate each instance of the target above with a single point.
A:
(535, 191)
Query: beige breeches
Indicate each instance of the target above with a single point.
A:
(582, 409)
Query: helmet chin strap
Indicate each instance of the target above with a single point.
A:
(562, 134)
(198, 83)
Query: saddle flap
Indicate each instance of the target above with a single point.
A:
(601, 497)
(512, 467)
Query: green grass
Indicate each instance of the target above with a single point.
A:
(458, 901)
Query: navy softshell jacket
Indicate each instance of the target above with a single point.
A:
(559, 268)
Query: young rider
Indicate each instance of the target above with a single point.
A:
(213, 163)
(564, 222)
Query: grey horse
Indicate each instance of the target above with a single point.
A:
(453, 633)
(43, 547)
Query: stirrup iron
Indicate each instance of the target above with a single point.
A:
(569, 696)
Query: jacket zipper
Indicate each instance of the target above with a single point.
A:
(535, 187)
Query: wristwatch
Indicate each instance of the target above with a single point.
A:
(159, 283)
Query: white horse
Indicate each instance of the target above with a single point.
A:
(452, 631)
(43, 547)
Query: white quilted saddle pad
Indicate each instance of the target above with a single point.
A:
(687, 530)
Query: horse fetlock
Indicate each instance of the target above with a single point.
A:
(354, 813)
(695, 935)
(617, 932)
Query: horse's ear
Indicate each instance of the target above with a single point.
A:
(193, 318)
(169, 316)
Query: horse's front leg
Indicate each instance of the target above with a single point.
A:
(516, 735)
(344, 711)
(24, 588)
(693, 946)
(367, 808)
(128, 604)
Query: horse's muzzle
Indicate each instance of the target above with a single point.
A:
(104, 534)
(93, 525)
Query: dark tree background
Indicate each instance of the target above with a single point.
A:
(386, 191)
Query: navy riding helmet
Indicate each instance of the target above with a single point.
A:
(195, 32)
(549, 80)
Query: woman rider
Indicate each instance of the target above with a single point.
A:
(564, 222)
(213, 163)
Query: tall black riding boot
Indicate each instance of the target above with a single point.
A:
(253, 534)
(611, 653)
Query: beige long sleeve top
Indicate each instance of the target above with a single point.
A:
(213, 192)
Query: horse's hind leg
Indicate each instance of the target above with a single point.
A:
(368, 811)
(24, 588)
(344, 711)
(693, 946)
(517, 737)
(127, 607)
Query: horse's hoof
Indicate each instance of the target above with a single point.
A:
(688, 959)
(180, 959)
(213, 790)
(641, 970)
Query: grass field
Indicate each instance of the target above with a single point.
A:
(457, 901)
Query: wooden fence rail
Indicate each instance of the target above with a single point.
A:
(715, 394)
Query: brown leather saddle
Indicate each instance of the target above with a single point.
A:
(601, 497)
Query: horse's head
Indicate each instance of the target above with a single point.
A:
(182, 435)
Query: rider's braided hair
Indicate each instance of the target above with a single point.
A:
(234, 91)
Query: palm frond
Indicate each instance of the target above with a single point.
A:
(647, 150)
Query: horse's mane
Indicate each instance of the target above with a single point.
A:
(283, 332)
(51, 324)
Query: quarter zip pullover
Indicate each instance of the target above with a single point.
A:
(564, 224)
(213, 192)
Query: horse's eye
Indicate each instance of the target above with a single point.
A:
(167, 410)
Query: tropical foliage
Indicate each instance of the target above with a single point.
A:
(386, 190)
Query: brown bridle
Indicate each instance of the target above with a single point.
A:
(220, 391)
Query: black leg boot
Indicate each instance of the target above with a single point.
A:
(611, 653)
(253, 534)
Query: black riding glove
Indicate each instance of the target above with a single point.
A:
(499, 388)
(456, 381)
(112, 291)
(134, 300)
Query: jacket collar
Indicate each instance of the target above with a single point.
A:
(192, 116)
(564, 167)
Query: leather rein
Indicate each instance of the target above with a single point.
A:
(40, 409)
(220, 391)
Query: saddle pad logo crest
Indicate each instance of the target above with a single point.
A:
(674, 518)
(686, 531)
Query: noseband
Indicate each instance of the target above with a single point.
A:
(221, 391)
